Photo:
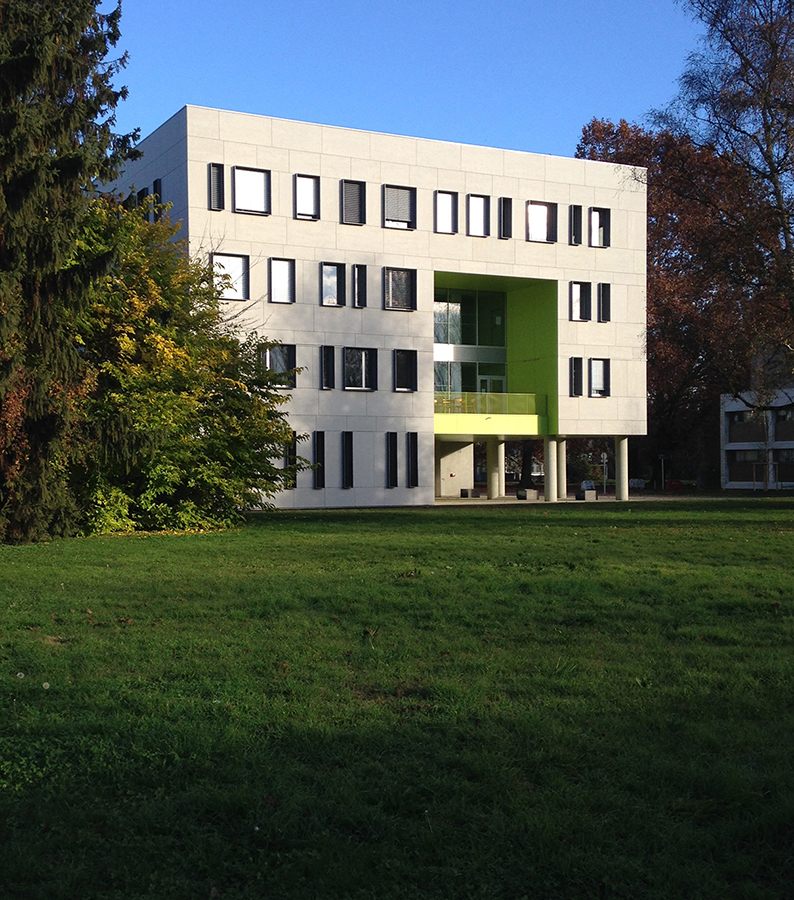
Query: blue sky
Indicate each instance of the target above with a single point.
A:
(519, 74)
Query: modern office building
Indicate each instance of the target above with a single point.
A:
(431, 294)
(757, 444)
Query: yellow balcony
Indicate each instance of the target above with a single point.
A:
(481, 414)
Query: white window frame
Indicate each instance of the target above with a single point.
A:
(236, 266)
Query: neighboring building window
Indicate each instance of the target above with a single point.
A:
(353, 203)
(576, 381)
(599, 377)
(505, 218)
(604, 302)
(392, 462)
(215, 191)
(332, 284)
(405, 370)
(541, 221)
(574, 225)
(581, 301)
(318, 459)
(399, 206)
(327, 368)
(347, 459)
(360, 368)
(282, 280)
(412, 454)
(236, 268)
(157, 190)
(251, 190)
(307, 196)
(478, 215)
(281, 360)
(600, 227)
(446, 212)
(399, 288)
(359, 287)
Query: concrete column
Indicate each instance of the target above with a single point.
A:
(492, 464)
(550, 468)
(562, 470)
(500, 462)
(621, 468)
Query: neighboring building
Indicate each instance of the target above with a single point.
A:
(432, 294)
(757, 445)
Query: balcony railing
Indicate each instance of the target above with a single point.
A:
(468, 403)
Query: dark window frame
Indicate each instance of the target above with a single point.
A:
(387, 270)
(575, 231)
(605, 226)
(341, 288)
(607, 389)
(411, 381)
(412, 458)
(392, 460)
(216, 200)
(551, 222)
(289, 369)
(267, 194)
(576, 376)
(402, 223)
(347, 202)
(585, 301)
(368, 368)
(305, 216)
(291, 285)
(347, 460)
(246, 273)
(454, 212)
(358, 286)
(604, 302)
(486, 215)
(505, 218)
(318, 459)
(327, 367)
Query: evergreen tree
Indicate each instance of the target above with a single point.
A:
(57, 101)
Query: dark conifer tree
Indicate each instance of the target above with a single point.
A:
(57, 102)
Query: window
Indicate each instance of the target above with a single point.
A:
(307, 197)
(604, 302)
(541, 221)
(412, 455)
(359, 287)
(599, 377)
(399, 207)
(505, 218)
(581, 296)
(478, 215)
(399, 288)
(157, 190)
(405, 370)
(236, 268)
(291, 460)
(576, 376)
(574, 225)
(141, 201)
(599, 227)
(353, 203)
(327, 368)
(318, 459)
(216, 186)
(347, 459)
(392, 479)
(360, 369)
(281, 360)
(251, 190)
(332, 284)
(446, 212)
(282, 280)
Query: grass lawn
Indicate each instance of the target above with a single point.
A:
(505, 702)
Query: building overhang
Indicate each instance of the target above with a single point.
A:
(475, 427)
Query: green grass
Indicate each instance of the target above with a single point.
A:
(577, 701)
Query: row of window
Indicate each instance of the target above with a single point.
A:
(251, 194)
(359, 368)
(581, 302)
(410, 477)
(399, 285)
(597, 377)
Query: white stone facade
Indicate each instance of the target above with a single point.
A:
(560, 241)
